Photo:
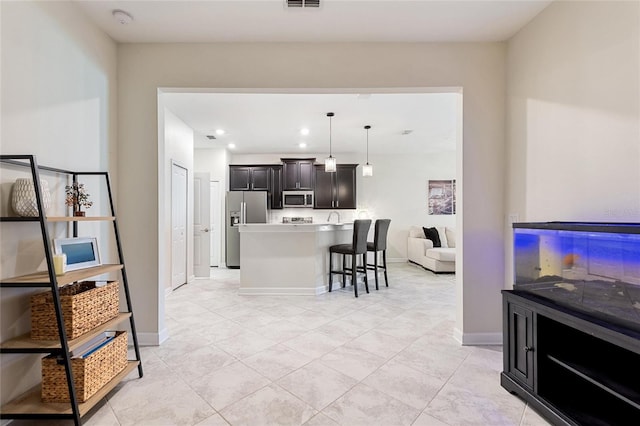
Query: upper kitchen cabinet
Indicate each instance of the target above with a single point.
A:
(335, 190)
(249, 178)
(297, 173)
(274, 199)
(258, 178)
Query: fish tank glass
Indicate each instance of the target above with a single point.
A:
(591, 267)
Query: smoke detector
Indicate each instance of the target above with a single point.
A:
(122, 17)
(302, 3)
(406, 132)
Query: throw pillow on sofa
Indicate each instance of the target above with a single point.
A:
(432, 234)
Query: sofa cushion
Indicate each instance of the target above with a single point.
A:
(442, 254)
(451, 236)
(432, 234)
(416, 232)
(443, 236)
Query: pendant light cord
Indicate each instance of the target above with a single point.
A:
(367, 127)
(367, 146)
(330, 118)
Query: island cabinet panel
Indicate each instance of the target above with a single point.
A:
(297, 173)
(335, 190)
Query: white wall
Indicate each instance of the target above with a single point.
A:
(574, 116)
(397, 190)
(477, 68)
(178, 149)
(58, 102)
(215, 161)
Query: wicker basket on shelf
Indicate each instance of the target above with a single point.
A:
(84, 307)
(89, 374)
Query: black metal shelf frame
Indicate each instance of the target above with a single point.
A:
(31, 162)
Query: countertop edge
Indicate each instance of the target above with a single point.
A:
(294, 227)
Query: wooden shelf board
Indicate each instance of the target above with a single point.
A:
(24, 344)
(41, 279)
(31, 403)
(80, 218)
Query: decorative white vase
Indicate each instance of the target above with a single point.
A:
(23, 198)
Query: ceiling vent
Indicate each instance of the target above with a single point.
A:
(211, 137)
(302, 3)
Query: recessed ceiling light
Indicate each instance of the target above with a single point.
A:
(219, 132)
(231, 146)
(304, 131)
(122, 17)
(302, 145)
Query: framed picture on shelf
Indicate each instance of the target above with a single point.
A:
(82, 252)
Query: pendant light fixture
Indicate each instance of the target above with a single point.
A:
(330, 162)
(367, 169)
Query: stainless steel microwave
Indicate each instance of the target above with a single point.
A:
(297, 199)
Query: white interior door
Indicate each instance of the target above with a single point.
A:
(216, 224)
(201, 223)
(178, 225)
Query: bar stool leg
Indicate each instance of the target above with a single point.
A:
(344, 268)
(375, 267)
(330, 271)
(353, 274)
(384, 262)
(364, 268)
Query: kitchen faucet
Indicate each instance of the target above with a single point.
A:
(329, 218)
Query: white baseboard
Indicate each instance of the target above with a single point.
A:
(477, 339)
(282, 291)
(153, 339)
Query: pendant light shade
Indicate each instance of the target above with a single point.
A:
(330, 162)
(367, 169)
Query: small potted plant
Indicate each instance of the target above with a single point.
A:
(77, 197)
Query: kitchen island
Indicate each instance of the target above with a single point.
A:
(288, 259)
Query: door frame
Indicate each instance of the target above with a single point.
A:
(186, 214)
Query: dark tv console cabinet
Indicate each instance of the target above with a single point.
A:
(572, 368)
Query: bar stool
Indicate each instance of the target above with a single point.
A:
(358, 246)
(379, 244)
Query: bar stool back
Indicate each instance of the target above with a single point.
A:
(357, 247)
(379, 244)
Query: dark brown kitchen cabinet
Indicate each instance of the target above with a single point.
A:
(258, 178)
(274, 199)
(335, 190)
(297, 173)
(249, 178)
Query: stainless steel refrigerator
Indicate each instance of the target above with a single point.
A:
(242, 207)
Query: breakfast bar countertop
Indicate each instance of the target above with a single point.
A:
(294, 227)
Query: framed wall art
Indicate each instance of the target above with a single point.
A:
(441, 197)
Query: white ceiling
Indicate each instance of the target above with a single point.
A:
(271, 123)
(334, 21)
(262, 123)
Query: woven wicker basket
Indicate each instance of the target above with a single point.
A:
(89, 374)
(84, 307)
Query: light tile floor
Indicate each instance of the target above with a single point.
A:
(386, 358)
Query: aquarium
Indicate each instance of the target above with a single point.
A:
(592, 267)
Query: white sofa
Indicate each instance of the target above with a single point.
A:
(420, 250)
